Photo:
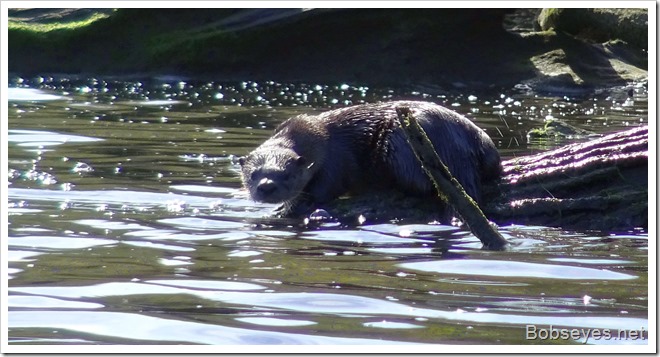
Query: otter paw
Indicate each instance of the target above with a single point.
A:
(298, 208)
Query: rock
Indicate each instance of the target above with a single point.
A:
(599, 25)
(572, 66)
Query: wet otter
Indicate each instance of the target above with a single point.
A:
(311, 160)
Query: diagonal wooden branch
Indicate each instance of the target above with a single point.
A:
(446, 185)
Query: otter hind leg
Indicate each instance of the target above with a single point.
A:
(457, 143)
(405, 169)
(409, 175)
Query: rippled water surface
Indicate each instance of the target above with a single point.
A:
(127, 226)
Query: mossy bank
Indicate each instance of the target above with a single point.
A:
(444, 48)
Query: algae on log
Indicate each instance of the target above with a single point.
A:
(601, 184)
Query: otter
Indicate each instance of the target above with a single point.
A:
(314, 159)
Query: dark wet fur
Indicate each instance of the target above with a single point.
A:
(361, 147)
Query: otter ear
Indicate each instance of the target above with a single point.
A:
(241, 160)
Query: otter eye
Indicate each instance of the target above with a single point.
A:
(253, 176)
(241, 160)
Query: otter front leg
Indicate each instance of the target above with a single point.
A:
(320, 190)
(295, 208)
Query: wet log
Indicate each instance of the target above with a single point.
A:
(600, 184)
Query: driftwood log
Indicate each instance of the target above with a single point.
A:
(601, 184)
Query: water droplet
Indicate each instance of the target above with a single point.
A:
(82, 167)
(320, 215)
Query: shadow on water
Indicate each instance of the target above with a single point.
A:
(127, 225)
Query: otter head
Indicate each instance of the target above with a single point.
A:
(275, 174)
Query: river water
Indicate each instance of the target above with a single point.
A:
(127, 225)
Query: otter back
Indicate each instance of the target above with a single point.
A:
(311, 160)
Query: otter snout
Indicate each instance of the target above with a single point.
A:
(267, 191)
(266, 186)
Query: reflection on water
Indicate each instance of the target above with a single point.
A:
(127, 225)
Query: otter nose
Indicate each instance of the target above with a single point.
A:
(266, 187)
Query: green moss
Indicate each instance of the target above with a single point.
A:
(121, 42)
(548, 18)
(599, 25)
(542, 132)
(14, 25)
